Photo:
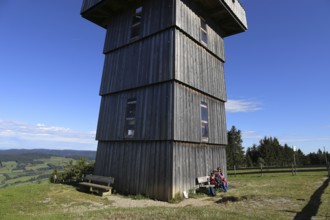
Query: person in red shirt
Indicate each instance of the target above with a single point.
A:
(211, 190)
(212, 179)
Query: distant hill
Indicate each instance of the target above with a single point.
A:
(13, 154)
(19, 166)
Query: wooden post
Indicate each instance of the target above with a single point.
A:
(235, 170)
(294, 170)
(261, 168)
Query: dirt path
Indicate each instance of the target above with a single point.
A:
(122, 202)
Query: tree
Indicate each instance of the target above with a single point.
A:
(253, 154)
(270, 150)
(249, 162)
(300, 158)
(287, 158)
(234, 149)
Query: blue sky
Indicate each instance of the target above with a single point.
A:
(51, 63)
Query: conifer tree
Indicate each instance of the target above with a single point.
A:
(234, 149)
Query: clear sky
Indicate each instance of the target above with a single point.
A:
(51, 62)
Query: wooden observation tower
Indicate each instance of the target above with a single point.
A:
(162, 116)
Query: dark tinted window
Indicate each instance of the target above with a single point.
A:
(130, 118)
(204, 122)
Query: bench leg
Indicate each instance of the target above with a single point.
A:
(106, 193)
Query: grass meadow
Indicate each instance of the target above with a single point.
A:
(270, 196)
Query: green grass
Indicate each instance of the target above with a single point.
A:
(271, 196)
(7, 167)
(20, 179)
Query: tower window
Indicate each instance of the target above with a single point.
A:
(136, 23)
(130, 118)
(203, 31)
(204, 122)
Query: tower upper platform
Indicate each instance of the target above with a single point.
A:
(228, 14)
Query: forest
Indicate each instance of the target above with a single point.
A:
(269, 152)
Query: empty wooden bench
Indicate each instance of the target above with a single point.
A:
(203, 183)
(99, 184)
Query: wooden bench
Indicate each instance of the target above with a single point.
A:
(203, 182)
(99, 184)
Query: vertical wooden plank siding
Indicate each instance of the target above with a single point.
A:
(156, 16)
(147, 172)
(139, 64)
(194, 160)
(188, 19)
(202, 71)
(154, 105)
(187, 120)
(118, 30)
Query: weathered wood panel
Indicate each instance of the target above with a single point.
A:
(142, 63)
(118, 30)
(188, 19)
(156, 16)
(138, 167)
(154, 113)
(193, 160)
(202, 71)
(187, 116)
(157, 169)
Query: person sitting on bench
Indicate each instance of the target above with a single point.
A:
(211, 190)
(221, 180)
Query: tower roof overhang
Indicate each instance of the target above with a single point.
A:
(101, 12)
(228, 14)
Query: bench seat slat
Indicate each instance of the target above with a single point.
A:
(100, 179)
(95, 185)
(206, 186)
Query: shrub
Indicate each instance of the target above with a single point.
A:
(73, 172)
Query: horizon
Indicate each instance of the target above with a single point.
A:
(51, 67)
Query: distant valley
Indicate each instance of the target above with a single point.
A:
(19, 166)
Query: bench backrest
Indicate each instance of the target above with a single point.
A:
(100, 179)
(202, 179)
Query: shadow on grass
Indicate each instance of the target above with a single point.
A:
(233, 199)
(314, 203)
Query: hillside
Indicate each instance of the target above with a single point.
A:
(35, 153)
(25, 166)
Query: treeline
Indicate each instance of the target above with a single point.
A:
(24, 158)
(33, 154)
(269, 152)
